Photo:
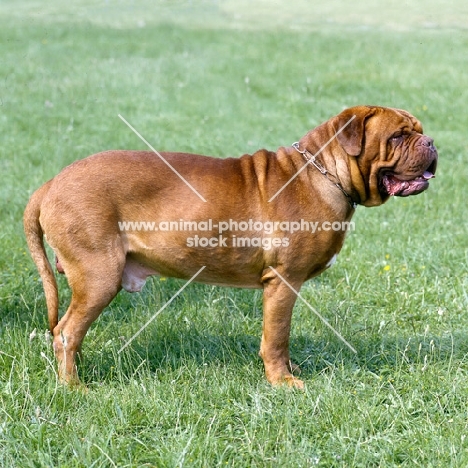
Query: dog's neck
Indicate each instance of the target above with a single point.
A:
(333, 178)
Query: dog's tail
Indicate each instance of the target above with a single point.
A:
(35, 240)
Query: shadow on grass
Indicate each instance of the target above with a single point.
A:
(218, 337)
(172, 350)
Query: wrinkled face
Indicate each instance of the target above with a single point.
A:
(393, 156)
(416, 162)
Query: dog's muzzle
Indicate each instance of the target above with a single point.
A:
(422, 167)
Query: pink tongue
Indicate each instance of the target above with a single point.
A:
(428, 175)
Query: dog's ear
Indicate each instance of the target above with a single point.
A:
(351, 122)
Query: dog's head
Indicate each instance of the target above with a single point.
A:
(388, 151)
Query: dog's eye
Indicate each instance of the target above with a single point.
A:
(398, 136)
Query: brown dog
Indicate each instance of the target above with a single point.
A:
(255, 229)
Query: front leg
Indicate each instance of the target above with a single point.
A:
(278, 303)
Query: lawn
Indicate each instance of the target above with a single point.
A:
(224, 78)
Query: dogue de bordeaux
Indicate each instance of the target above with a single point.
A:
(265, 203)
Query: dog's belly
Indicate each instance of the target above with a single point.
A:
(135, 275)
(169, 256)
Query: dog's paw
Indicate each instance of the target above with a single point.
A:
(288, 381)
(293, 382)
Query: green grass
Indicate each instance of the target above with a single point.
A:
(225, 78)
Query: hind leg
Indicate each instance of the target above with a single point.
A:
(94, 284)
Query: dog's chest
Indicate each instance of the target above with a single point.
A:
(332, 261)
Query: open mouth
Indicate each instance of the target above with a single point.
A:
(403, 188)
